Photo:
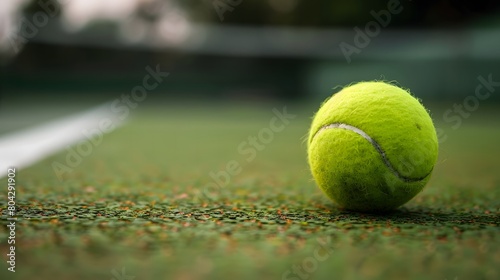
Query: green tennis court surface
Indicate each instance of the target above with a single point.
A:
(142, 205)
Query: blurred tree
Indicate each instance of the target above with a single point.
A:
(50, 7)
(321, 13)
(327, 13)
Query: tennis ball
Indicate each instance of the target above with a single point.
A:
(372, 147)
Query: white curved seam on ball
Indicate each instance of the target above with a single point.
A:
(374, 144)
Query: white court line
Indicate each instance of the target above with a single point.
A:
(24, 148)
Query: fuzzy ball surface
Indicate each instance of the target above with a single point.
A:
(372, 147)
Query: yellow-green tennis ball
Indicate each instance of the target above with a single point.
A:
(372, 147)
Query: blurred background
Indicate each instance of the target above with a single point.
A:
(231, 64)
(246, 50)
